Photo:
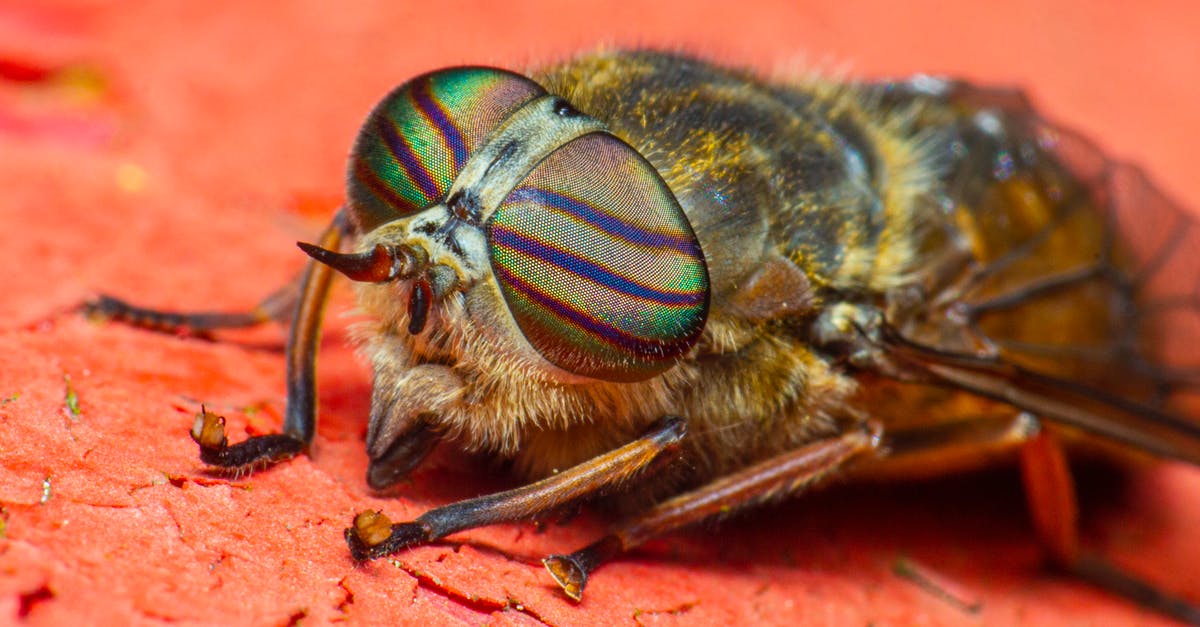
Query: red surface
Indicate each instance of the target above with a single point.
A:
(173, 152)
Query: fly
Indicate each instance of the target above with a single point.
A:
(645, 278)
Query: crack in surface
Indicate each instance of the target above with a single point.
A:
(482, 605)
(158, 616)
(343, 606)
(678, 610)
(167, 479)
(178, 527)
(489, 549)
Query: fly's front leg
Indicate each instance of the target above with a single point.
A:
(374, 536)
(301, 300)
(766, 481)
(300, 418)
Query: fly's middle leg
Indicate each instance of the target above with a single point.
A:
(374, 536)
(777, 477)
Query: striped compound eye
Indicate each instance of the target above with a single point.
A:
(416, 140)
(598, 264)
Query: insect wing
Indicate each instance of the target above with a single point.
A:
(1082, 301)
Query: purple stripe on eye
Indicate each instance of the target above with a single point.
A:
(612, 225)
(506, 238)
(404, 156)
(368, 178)
(436, 114)
(605, 332)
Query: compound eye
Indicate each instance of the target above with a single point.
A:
(598, 263)
(416, 140)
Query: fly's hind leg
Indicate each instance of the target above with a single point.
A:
(303, 302)
(1049, 490)
(775, 478)
(1050, 493)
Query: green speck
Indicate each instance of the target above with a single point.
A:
(72, 398)
(9, 399)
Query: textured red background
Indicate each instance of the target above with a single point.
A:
(173, 152)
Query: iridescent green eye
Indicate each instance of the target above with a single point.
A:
(416, 140)
(598, 264)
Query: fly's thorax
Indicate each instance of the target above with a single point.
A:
(809, 168)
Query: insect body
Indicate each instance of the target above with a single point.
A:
(638, 264)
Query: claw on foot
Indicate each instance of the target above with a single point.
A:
(209, 431)
(569, 574)
(372, 527)
(373, 535)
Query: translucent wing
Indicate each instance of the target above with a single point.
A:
(1076, 295)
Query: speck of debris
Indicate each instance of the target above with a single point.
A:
(938, 585)
(72, 399)
(45, 491)
(11, 398)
